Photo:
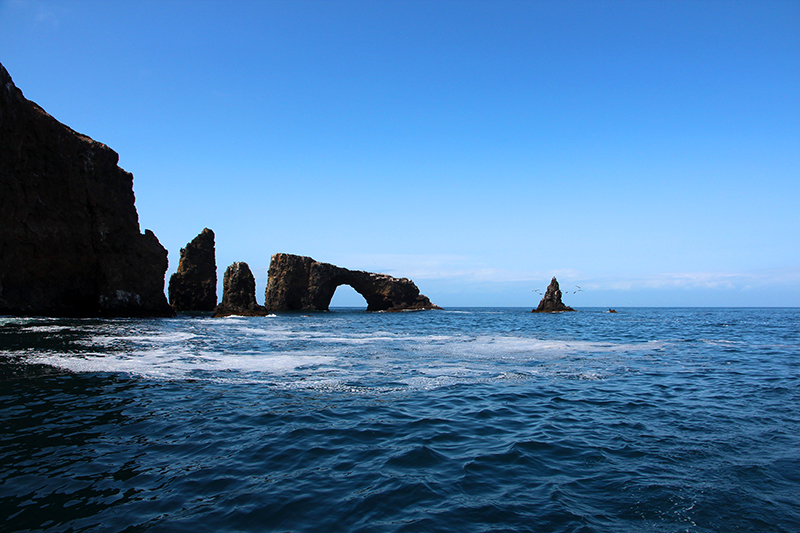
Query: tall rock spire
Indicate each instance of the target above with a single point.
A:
(194, 286)
(551, 302)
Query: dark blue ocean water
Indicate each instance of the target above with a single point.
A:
(664, 420)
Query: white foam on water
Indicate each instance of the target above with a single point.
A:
(150, 366)
(505, 346)
(425, 383)
(358, 339)
(456, 368)
(241, 349)
(515, 375)
(275, 363)
(159, 338)
(180, 364)
(591, 376)
(282, 334)
(723, 342)
(458, 344)
(440, 338)
(240, 318)
(46, 329)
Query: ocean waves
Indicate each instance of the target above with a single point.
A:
(299, 351)
(472, 421)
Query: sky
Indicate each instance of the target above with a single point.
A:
(645, 153)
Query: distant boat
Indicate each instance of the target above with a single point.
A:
(612, 310)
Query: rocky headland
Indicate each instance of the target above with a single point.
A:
(551, 301)
(193, 287)
(70, 243)
(298, 283)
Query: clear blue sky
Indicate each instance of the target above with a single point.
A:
(646, 151)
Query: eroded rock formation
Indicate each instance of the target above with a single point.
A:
(70, 243)
(551, 301)
(300, 283)
(194, 286)
(239, 293)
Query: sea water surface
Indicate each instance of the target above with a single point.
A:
(664, 420)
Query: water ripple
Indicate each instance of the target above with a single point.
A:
(482, 420)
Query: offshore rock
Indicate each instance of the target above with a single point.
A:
(194, 286)
(239, 293)
(551, 302)
(298, 283)
(70, 243)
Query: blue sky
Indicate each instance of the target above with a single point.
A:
(648, 152)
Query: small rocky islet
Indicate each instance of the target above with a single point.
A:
(551, 301)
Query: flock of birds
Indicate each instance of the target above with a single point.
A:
(539, 291)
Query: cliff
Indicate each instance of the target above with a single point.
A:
(70, 243)
(301, 283)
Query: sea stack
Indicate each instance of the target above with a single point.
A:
(70, 243)
(239, 293)
(551, 302)
(298, 283)
(193, 288)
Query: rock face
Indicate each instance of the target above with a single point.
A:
(239, 293)
(551, 302)
(194, 286)
(299, 283)
(70, 243)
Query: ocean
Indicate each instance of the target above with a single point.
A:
(466, 420)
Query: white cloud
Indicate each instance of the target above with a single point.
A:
(450, 273)
(471, 270)
(703, 280)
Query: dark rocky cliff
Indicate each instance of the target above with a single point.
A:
(70, 243)
(194, 286)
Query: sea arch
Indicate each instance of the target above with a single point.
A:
(299, 283)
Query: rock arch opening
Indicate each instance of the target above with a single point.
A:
(345, 296)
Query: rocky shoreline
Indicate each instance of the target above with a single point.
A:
(71, 244)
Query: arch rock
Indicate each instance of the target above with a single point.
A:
(298, 283)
